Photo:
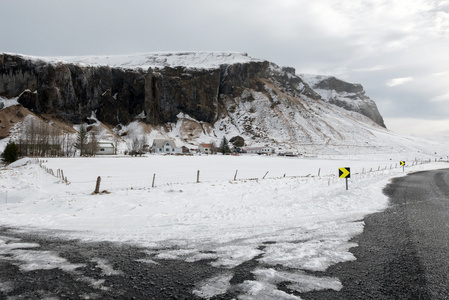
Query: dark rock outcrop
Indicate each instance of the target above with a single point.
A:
(352, 97)
(237, 141)
(72, 91)
(332, 83)
(29, 100)
(170, 91)
(119, 96)
(293, 84)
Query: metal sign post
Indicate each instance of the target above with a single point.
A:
(344, 173)
(402, 163)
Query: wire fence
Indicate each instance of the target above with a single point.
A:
(59, 173)
(154, 180)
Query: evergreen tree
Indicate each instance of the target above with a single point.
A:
(11, 152)
(224, 146)
(81, 140)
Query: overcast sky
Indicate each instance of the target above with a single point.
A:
(398, 50)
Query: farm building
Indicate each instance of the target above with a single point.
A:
(259, 150)
(206, 148)
(165, 147)
(105, 148)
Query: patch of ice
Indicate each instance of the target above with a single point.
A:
(106, 268)
(29, 260)
(213, 286)
(315, 255)
(232, 256)
(147, 261)
(257, 290)
(265, 285)
(298, 280)
(175, 254)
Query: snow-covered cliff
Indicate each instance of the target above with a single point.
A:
(199, 97)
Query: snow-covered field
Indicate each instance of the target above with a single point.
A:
(301, 221)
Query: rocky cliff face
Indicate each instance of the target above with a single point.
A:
(221, 93)
(72, 91)
(347, 95)
(170, 91)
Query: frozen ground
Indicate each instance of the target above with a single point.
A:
(303, 221)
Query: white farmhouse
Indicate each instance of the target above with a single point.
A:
(259, 150)
(105, 148)
(165, 147)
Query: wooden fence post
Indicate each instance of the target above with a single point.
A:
(97, 186)
(235, 176)
(154, 178)
(198, 177)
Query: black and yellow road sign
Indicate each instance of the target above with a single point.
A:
(344, 172)
(402, 163)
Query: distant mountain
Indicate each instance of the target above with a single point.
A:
(198, 97)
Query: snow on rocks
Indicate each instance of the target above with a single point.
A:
(5, 102)
(197, 60)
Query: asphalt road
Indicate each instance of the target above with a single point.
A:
(403, 252)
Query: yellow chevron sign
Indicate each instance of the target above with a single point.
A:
(344, 172)
(402, 163)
